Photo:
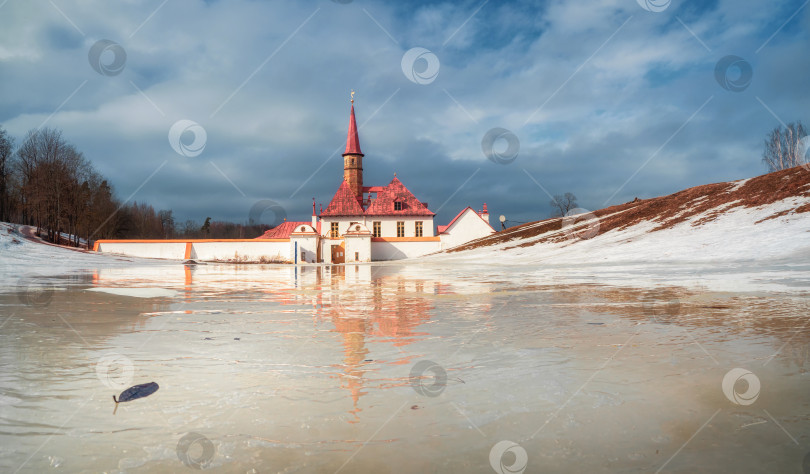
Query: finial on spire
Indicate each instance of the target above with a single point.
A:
(352, 96)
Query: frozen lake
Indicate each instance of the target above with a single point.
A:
(407, 368)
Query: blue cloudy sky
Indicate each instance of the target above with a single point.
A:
(607, 99)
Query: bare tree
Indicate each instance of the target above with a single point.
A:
(561, 204)
(6, 147)
(167, 223)
(784, 147)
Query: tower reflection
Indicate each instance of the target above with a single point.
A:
(372, 302)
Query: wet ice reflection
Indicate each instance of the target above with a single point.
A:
(278, 368)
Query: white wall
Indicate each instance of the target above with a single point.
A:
(359, 245)
(170, 250)
(393, 250)
(225, 250)
(241, 251)
(466, 228)
(307, 248)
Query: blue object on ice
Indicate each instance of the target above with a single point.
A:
(137, 391)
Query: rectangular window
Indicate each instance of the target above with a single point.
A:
(418, 230)
(377, 229)
(397, 206)
(356, 256)
(400, 229)
(334, 230)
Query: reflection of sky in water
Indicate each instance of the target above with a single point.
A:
(308, 369)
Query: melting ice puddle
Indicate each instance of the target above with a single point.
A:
(310, 370)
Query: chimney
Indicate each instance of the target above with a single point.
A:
(485, 213)
(314, 217)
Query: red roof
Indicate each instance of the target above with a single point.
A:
(352, 139)
(344, 203)
(397, 192)
(283, 230)
(441, 228)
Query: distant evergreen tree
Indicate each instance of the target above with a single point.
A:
(206, 227)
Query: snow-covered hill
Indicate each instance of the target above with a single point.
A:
(23, 257)
(766, 218)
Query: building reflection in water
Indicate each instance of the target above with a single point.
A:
(370, 302)
(362, 303)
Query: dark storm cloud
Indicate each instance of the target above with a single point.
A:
(594, 91)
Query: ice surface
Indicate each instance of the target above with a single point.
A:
(309, 369)
(614, 366)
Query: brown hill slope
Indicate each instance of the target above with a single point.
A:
(706, 203)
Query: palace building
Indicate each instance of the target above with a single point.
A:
(369, 223)
(360, 224)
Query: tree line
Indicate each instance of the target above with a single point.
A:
(47, 183)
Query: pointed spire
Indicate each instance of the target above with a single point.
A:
(352, 139)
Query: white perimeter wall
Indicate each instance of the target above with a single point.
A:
(254, 251)
(170, 250)
(247, 251)
(208, 251)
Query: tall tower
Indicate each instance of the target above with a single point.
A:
(353, 158)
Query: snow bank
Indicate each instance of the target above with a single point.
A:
(22, 259)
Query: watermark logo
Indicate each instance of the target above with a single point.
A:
(514, 466)
(420, 66)
(580, 224)
(107, 57)
(115, 371)
(503, 157)
(179, 138)
(736, 377)
(655, 6)
(257, 213)
(661, 306)
(418, 375)
(733, 73)
(34, 290)
(195, 450)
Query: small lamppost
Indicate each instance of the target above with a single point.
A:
(502, 219)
